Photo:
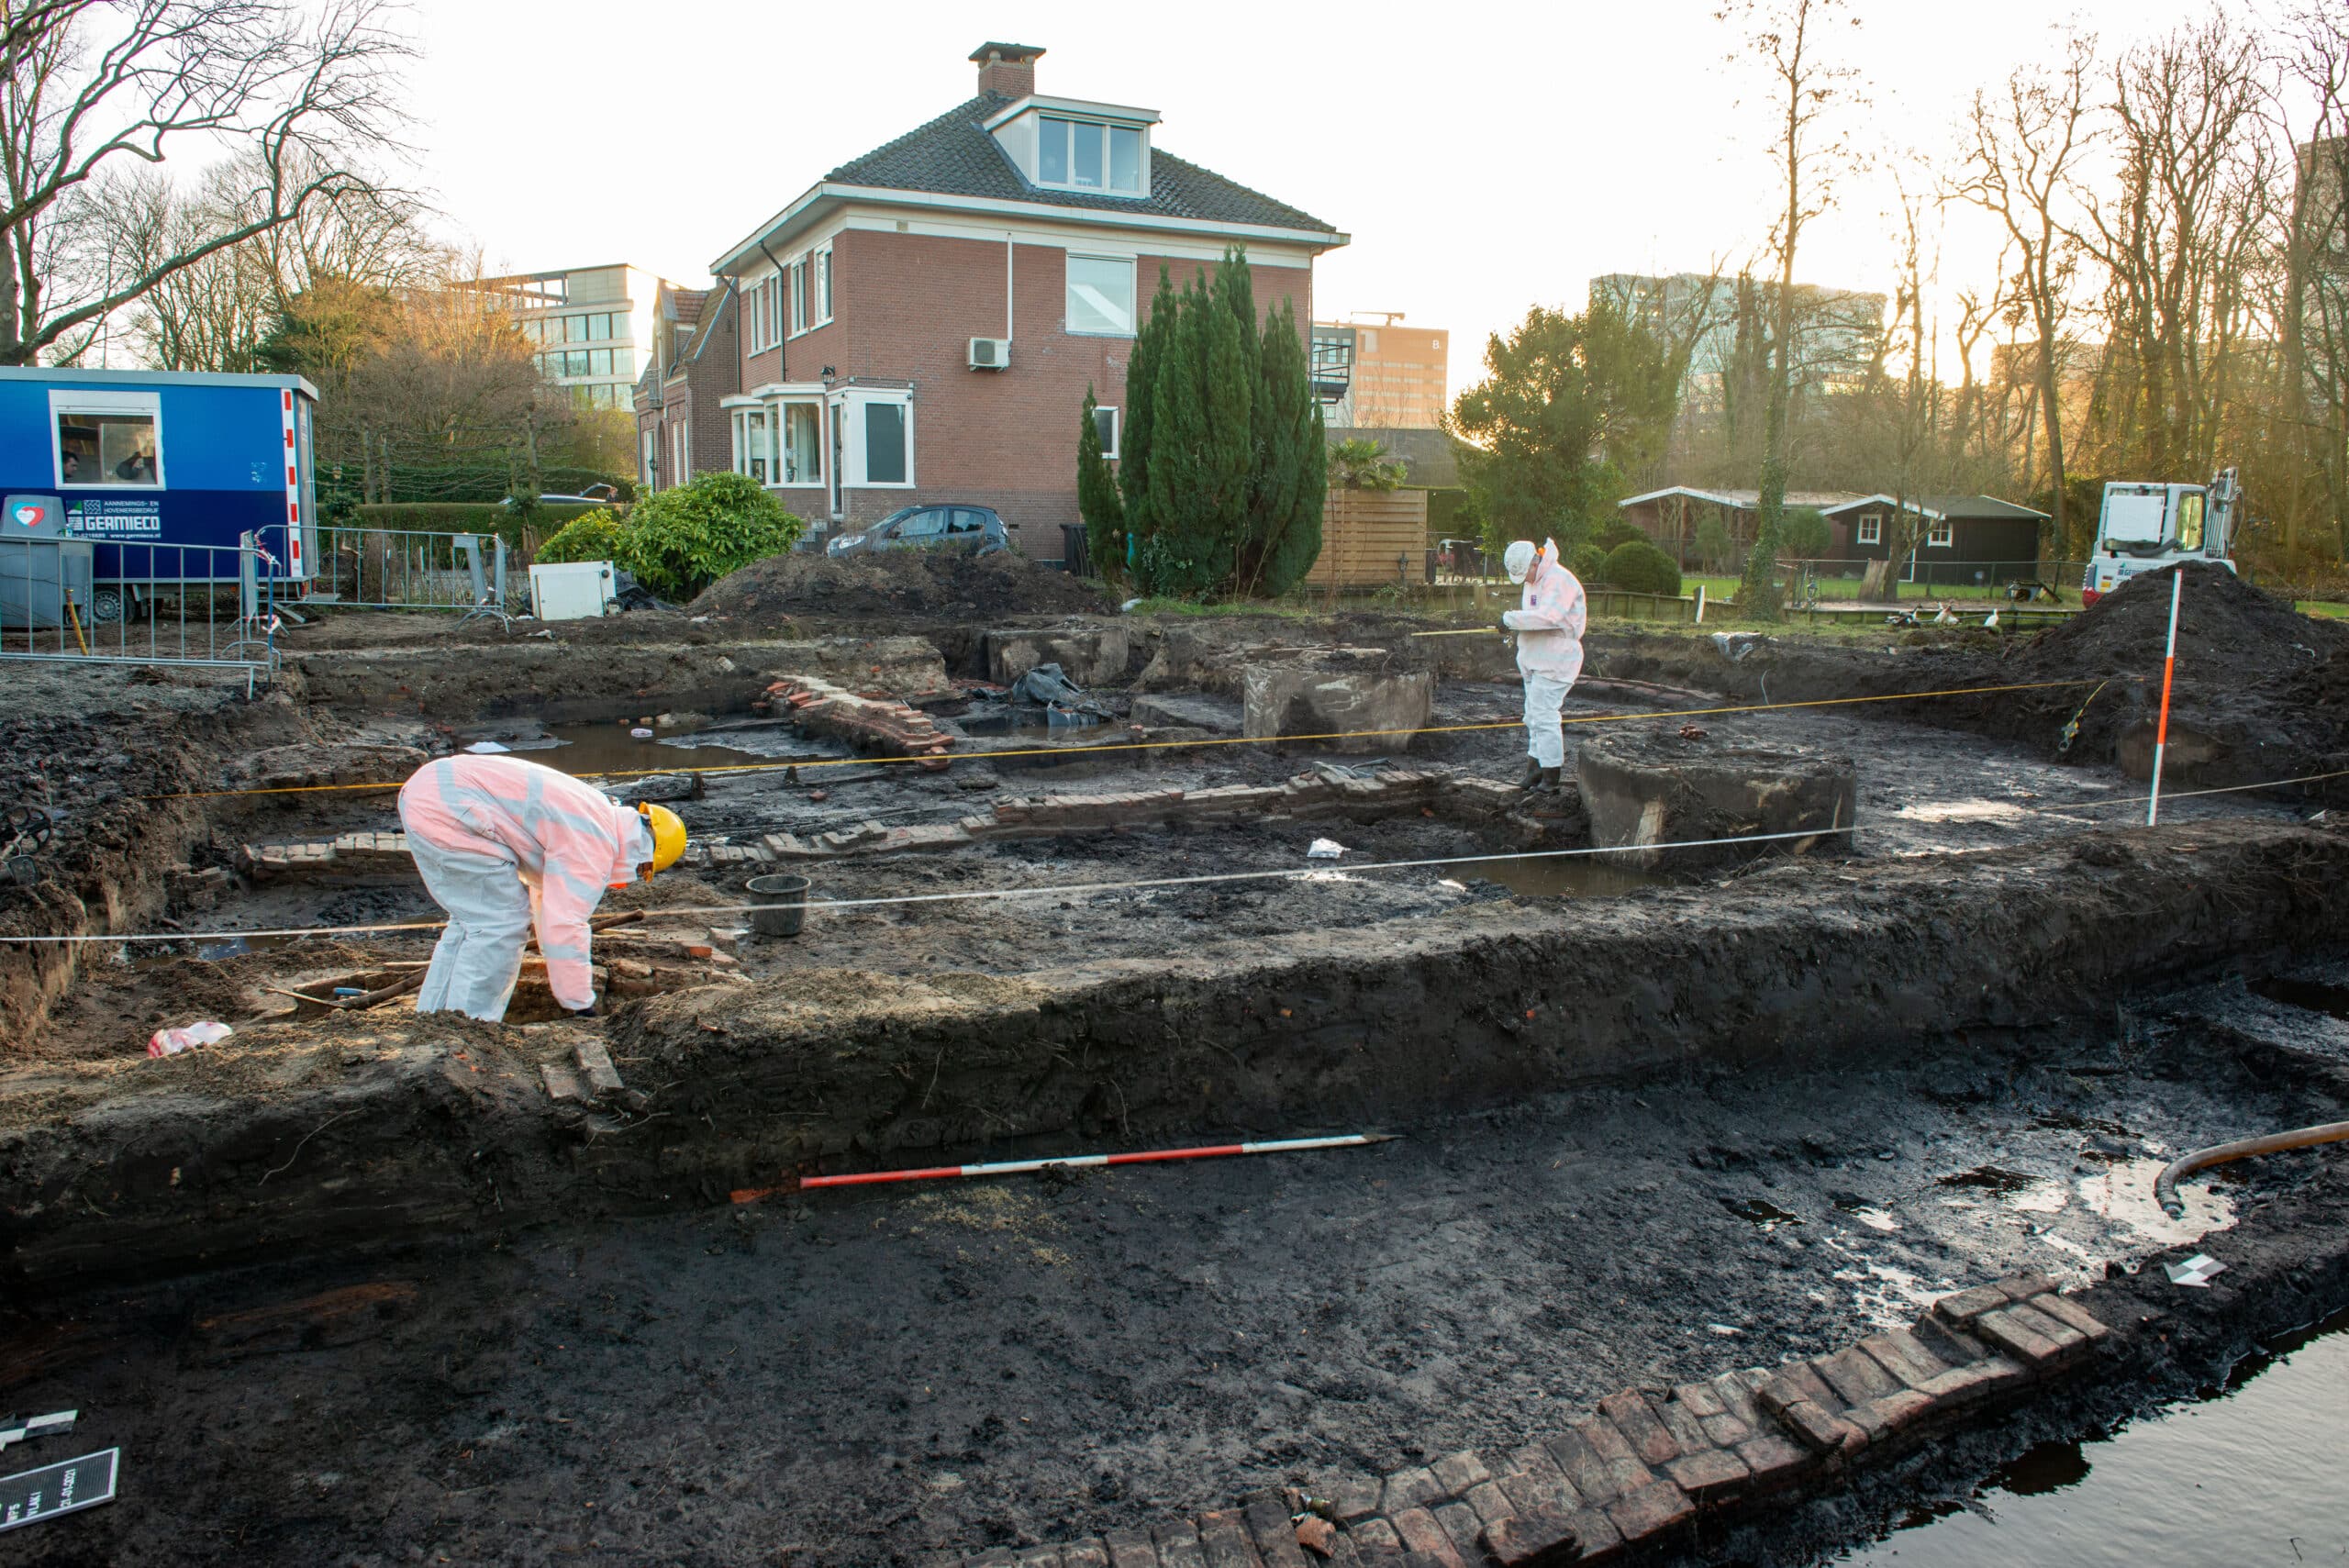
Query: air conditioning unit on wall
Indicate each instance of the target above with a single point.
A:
(990, 353)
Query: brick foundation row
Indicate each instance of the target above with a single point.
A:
(351, 856)
(873, 724)
(1312, 795)
(1632, 1478)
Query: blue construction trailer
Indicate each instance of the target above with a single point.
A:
(165, 471)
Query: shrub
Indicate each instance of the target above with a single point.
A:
(1713, 545)
(1588, 562)
(1616, 534)
(680, 541)
(1807, 535)
(597, 535)
(1640, 567)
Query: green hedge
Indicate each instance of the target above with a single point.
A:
(1640, 567)
(467, 517)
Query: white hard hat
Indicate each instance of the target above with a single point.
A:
(1518, 559)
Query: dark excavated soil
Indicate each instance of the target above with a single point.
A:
(870, 1378)
(924, 584)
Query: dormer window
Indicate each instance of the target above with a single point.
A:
(1085, 155)
(1071, 144)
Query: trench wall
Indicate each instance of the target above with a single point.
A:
(365, 1127)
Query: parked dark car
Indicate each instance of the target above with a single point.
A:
(973, 530)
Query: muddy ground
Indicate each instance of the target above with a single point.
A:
(873, 1378)
(884, 1377)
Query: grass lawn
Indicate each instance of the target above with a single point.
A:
(2326, 607)
(1834, 590)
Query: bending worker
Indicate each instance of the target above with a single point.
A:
(504, 844)
(1549, 653)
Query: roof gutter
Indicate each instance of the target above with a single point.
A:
(991, 206)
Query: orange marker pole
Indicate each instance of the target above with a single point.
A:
(2169, 669)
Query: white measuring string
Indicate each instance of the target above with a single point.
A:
(1137, 885)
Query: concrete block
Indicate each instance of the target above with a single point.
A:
(1187, 711)
(1090, 656)
(1379, 708)
(1643, 790)
(595, 1068)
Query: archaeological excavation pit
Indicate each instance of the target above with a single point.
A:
(1664, 1120)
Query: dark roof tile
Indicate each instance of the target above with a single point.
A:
(954, 155)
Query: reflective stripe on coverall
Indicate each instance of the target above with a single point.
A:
(1549, 651)
(502, 844)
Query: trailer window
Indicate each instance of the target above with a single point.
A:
(108, 446)
(2190, 520)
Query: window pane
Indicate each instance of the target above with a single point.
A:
(824, 286)
(600, 361)
(885, 443)
(624, 361)
(802, 453)
(1086, 140)
(921, 525)
(1100, 296)
(1105, 422)
(1125, 159)
(107, 449)
(1052, 152)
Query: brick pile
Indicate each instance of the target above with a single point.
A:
(1630, 1478)
(344, 857)
(871, 724)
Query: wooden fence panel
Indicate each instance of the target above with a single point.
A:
(1370, 538)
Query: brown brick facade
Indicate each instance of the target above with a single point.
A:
(906, 306)
(710, 371)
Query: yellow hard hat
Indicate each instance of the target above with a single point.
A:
(668, 835)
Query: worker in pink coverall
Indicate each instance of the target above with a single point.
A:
(1549, 653)
(503, 845)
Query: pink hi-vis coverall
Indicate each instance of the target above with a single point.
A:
(1549, 651)
(502, 843)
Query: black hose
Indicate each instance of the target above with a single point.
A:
(2165, 1184)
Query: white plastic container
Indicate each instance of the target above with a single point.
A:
(574, 590)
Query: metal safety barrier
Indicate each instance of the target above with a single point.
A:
(398, 569)
(119, 602)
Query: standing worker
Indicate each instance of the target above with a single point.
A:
(1549, 653)
(502, 844)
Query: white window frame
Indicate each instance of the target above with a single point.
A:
(1869, 530)
(1117, 428)
(798, 290)
(681, 453)
(62, 402)
(1077, 123)
(775, 411)
(1941, 534)
(819, 285)
(650, 443)
(746, 447)
(1133, 294)
(852, 411)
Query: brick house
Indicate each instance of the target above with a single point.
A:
(921, 324)
(694, 364)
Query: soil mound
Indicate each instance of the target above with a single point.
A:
(916, 583)
(2229, 633)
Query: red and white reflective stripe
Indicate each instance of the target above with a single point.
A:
(293, 486)
(1071, 1162)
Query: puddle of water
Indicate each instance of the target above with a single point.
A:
(1569, 877)
(609, 748)
(2317, 997)
(1767, 1216)
(1962, 811)
(215, 952)
(2248, 1474)
(2123, 1193)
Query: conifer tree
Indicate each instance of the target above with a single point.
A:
(1291, 483)
(1098, 501)
(1140, 419)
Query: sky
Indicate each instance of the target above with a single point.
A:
(1484, 158)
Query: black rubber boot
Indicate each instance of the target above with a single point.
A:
(1532, 776)
(1550, 781)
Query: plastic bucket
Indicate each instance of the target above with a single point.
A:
(779, 905)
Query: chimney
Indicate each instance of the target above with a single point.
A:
(1007, 68)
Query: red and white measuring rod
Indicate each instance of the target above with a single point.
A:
(1070, 1162)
